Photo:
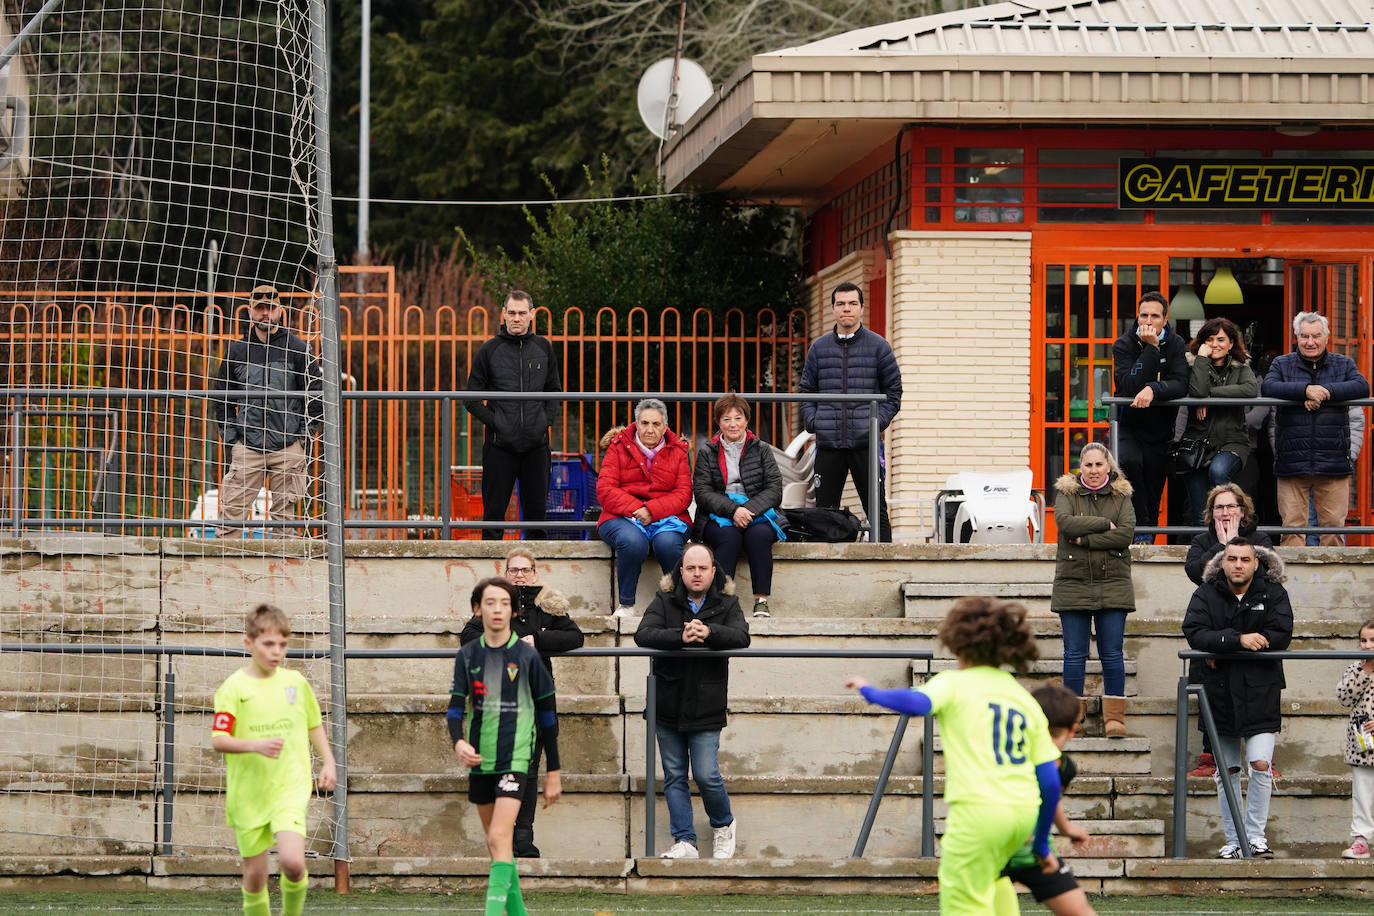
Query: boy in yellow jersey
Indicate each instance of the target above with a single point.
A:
(264, 714)
(1001, 780)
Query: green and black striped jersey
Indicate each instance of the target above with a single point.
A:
(499, 697)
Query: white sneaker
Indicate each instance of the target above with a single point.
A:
(1229, 851)
(625, 610)
(723, 842)
(681, 850)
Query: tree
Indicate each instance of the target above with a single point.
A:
(698, 251)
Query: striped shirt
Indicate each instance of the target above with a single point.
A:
(502, 694)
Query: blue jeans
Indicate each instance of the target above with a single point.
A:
(1077, 627)
(632, 548)
(702, 747)
(1256, 802)
(1223, 467)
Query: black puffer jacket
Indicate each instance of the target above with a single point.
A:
(510, 363)
(283, 363)
(543, 615)
(862, 364)
(692, 693)
(758, 474)
(1245, 691)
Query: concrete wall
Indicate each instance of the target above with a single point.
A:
(79, 734)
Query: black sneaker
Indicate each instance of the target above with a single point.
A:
(1260, 850)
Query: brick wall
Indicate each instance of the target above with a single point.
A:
(960, 326)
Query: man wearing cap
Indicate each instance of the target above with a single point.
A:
(267, 434)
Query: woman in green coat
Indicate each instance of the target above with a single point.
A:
(1092, 575)
(1221, 369)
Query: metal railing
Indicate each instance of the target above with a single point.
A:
(1114, 426)
(1230, 782)
(443, 521)
(166, 791)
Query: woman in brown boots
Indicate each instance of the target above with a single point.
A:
(1092, 575)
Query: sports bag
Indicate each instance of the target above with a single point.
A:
(815, 524)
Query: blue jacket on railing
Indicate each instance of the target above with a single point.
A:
(862, 364)
(1313, 442)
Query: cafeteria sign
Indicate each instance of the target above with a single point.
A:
(1272, 184)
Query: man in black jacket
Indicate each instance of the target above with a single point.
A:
(267, 434)
(542, 621)
(1242, 608)
(694, 608)
(515, 446)
(1149, 364)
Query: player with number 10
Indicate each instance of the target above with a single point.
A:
(1001, 782)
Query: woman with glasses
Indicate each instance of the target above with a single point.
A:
(542, 621)
(1228, 513)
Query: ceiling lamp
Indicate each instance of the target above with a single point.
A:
(1223, 290)
(1186, 305)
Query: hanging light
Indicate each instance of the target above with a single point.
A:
(1223, 290)
(1186, 305)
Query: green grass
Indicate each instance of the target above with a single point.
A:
(544, 904)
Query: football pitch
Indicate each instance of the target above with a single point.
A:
(584, 904)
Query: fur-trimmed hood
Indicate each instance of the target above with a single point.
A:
(1069, 485)
(723, 583)
(553, 602)
(1270, 563)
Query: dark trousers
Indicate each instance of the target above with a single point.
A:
(501, 469)
(529, 802)
(832, 464)
(1146, 465)
(757, 543)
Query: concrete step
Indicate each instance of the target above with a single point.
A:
(1108, 839)
(1093, 756)
(635, 874)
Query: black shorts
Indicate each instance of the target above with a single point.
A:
(1041, 885)
(486, 788)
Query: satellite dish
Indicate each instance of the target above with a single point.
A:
(655, 91)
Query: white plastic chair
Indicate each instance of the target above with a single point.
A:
(1000, 506)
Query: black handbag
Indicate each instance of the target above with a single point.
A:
(1189, 455)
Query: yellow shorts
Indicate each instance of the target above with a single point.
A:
(254, 841)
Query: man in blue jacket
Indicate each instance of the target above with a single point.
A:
(852, 360)
(1149, 364)
(1312, 441)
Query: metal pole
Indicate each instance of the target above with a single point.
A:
(873, 803)
(364, 135)
(650, 746)
(169, 716)
(446, 464)
(928, 787)
(16, 472)
(1181, 771)
(333, 429)
(29, 28)
(1230, 782)
(875, 482)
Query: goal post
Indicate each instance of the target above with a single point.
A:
(161, 160)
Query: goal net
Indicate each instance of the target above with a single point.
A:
(159, 163)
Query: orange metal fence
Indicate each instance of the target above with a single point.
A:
(151, 457)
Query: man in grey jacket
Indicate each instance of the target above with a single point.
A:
(267, 434)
